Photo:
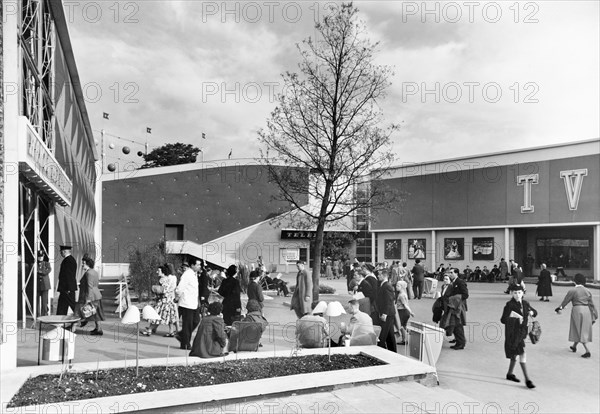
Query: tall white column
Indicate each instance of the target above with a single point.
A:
(10, 59)
(373, 252)
(596, 256)
(506, 244)
(433, 252)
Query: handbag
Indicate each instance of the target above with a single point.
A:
(87, 310)
(535, 332)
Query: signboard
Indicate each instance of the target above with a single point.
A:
(289, 255)
(40, 167)
(307, 234)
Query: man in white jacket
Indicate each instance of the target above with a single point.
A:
(187, 293)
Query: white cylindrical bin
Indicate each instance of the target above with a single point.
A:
(53, 342)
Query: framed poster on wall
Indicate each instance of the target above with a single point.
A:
(483, 248)
(454, 249)
(392, 249)
(416, 249)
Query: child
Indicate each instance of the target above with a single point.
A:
(404, 311)
(514, 317)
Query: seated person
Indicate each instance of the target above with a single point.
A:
(254, 314)
(211, 340)
(360, 328)
(467, 273)
(306, 335)
(280, 285)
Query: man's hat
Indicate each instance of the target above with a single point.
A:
(65, 248)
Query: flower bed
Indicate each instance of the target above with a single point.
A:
(73, 386)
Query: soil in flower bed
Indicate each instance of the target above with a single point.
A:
(45, 389)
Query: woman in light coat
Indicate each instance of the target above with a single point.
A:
(583, 314)
(90, 293)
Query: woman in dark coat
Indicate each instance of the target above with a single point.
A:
(210, 340)
(515, 317)
(544, 284)
(230, 290)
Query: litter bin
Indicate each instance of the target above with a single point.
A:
(425, 342)
(57, 344)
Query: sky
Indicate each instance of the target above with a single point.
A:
(469, 77)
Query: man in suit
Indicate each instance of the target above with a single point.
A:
(363, 286)
(67, 282)
(456, 296)
(387, 311)
(203, 289)
(418, 273)
(302, 297)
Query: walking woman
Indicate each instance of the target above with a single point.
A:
(165, 304)
(515, 317)
(583, 314)
(544, 284)
(404, 311)
(89, 293)
(230, 290)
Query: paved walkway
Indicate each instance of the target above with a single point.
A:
(471, 380)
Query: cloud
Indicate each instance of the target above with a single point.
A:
(184, 67)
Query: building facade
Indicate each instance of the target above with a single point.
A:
(48, 159)
(538, 205)
(220, 211)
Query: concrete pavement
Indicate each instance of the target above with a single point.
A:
(471, 380)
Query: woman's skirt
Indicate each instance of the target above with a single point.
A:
(404, 315)
(167, 309)
(580, 329)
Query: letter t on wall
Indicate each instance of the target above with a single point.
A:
(526, 181)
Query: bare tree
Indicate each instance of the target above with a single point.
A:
(327, 125)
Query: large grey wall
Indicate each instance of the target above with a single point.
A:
(491, 196)
(208, 202)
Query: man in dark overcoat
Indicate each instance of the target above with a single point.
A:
(456, 296)
(67, 282)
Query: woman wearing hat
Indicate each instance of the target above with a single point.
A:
(230, 290)
(583, 314)
(515, 317)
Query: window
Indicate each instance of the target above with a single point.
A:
(173, 231)
(566, 253)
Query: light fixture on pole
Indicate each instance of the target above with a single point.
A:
(334, 309)
(132, 315)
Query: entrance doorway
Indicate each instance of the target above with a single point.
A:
(33, 238)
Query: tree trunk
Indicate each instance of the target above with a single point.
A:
(316, 273)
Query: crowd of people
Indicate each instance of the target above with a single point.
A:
(381, 297)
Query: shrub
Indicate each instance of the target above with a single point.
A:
(143, 264)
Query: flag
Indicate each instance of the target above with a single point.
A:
(148, 130)
(230, 152)
(203, 135)
(105, 115)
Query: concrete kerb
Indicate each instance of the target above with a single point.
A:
(398, 368)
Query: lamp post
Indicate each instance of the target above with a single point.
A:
(334, 309)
